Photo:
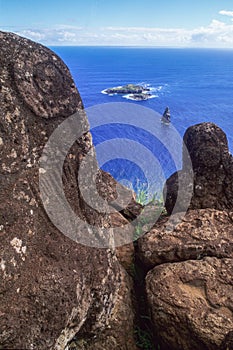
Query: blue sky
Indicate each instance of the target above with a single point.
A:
(182, 23)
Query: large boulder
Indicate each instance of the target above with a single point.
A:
(52, 289)
(189, 286)
(190, 255)
(211, 173)
(203, 232)
(191, 303)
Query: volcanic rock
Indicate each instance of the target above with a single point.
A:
(227, 343)
(52, 288)
(191, 303)
(189, 254)
(211, 174)
(200, 233)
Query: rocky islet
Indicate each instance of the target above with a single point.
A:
(130, 91)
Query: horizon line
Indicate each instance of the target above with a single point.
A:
(143, 47)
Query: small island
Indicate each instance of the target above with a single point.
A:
(130, 91)
(139, 96)
(127, 89)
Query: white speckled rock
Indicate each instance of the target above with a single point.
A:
(51, 288)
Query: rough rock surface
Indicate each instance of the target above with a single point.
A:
(227, 343)
(118, 196)
(203, 232)
(51, 288)
(212, 169)
(192, 303)
(190, 285)
(127, 211)
(124, 253)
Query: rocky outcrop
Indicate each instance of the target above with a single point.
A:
(189, 287)
(204, 232)
(131, 91)
(52, 289)
(212, 171)
(127, 89)
(192, 303)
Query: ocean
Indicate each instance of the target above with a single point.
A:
(196, 84)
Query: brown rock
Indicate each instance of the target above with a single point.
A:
(204, 232)
(126, 210)
(124, 253)
(190, 289)
(51, 288)
(119, 197)
(191, 303)
(112, 336)
(227, 343)
(212, 171)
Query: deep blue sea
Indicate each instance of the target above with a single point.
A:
(196, 84)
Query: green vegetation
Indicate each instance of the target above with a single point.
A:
(144, 340)
(153, 208)
(146, 195)
(142, 197)
(143, 330)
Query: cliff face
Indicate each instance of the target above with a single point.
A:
(51, 288)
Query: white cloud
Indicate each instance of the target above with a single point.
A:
(32, 34)
(216, 34)
(67, 36)
(226, 13)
